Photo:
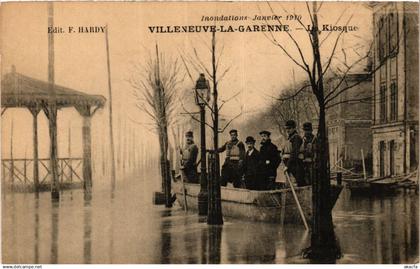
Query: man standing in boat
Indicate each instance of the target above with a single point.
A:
(306, 153)
(235, 153)
(270, 160)
(252, 163)
(189, 158)
(294, 165)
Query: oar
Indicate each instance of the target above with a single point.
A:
(184, 191)
(297, 201)
(178, 149)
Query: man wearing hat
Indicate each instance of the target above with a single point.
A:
(252, 163)
(189, 157)
(235, 153)
(270, 160)
(291, 160)
(306, 153)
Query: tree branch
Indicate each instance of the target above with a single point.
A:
(303, 88)
(230, 121)
(192, 115)
(223, 102)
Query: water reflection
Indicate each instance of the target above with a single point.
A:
(165, 237)
(55, 214)
(204, 247)
(215, 240)
(374, 230)
(128, 229)
(87, 234)
(111, 230)
(191, 244)
(36, 228)
(252, 242)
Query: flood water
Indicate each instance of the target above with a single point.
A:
(129, 229)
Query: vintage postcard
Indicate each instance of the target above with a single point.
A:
(209, 133)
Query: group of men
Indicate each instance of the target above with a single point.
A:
(247, 167)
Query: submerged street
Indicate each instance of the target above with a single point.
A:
(129, 229)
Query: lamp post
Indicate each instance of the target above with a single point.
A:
(202, 96)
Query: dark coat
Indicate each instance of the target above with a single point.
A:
(252, 165)
(309, 146)
(294, 164)
(270, 159)
(296, 141)
(192, 151)
(188, 162)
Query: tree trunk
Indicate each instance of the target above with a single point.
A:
(323, 243)
(215, 106)
(163, 135)
(164, 166)
(167, 169)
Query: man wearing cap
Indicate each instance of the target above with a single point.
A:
(189, 157)
(270, 160)
(252, 163)
(235, 153)
(291, 160)
(307, 150)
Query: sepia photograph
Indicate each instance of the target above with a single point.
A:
(195, 132)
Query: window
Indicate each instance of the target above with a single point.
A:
(394, 101)
(382, 38)
(382, 104)
(387, 36)
(393, 33)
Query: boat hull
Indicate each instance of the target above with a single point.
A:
(276, 206)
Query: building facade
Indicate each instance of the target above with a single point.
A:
(395, 88)
(349, 124)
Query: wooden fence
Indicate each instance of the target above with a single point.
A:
(20, 171)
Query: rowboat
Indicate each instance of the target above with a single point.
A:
(381, 186)
(276, 206)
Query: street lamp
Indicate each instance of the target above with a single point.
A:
(202, 96)
(202, 91)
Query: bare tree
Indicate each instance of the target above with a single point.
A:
(316, 67)
(155, 89)
(293, 103)
(215, 73)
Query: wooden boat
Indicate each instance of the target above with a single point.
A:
(380, 186)
(267, 206)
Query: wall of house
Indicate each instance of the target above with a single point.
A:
(412, 58)
(349, 123)
(357, 110)
(336, 136)
(404, 68)
(412, 84)
(393, 68)
(388, 134)
(358, 137)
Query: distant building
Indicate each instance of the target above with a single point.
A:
(349, 123)
(395, 88)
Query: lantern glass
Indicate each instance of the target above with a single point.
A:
(202, 91)
(201, 96)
